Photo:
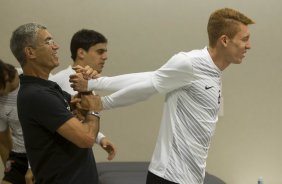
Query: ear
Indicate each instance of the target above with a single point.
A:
(80, 53)
(29, 52)
(224, 40)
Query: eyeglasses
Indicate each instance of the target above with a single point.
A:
(50, 42)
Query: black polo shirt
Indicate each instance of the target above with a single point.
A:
(42, 108)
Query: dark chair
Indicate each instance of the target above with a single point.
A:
(133, 173)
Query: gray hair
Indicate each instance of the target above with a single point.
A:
(24, 36)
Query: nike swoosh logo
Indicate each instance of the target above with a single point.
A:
(8, 113)
(208, 87)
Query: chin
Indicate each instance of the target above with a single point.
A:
(54, 65)
(57, 63)
(238, 61)
(99, 70)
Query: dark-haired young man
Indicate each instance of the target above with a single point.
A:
(88, 48)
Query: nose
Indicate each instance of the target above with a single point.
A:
(248, 45)
(55, 46)
(105, 56)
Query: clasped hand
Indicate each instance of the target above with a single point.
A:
(79, 81)
(84, 102)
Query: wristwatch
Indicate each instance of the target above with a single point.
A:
(93, 113)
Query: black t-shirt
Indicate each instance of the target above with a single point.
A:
(42, 108)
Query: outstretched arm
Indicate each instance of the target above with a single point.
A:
(113, 84)
(132, 94)
(117, 82)
(176, 73)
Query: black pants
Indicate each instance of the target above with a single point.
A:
(16, 167)
(154, 179)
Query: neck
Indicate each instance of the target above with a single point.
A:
(79, 62)
(34, 71)
(218, 58)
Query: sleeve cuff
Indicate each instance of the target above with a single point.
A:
(91, 84)
(99, 137)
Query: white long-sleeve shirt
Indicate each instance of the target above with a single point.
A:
(191, 83)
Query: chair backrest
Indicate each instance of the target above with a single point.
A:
(211, 179)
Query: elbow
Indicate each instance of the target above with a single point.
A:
(87, 142)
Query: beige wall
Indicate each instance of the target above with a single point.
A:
(142, 36)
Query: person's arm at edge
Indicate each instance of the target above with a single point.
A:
(5, 144)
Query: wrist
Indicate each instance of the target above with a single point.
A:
(90, 85)
(94, 113)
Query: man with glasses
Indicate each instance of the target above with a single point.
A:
(58, 145)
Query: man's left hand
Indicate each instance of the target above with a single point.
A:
(108, 147)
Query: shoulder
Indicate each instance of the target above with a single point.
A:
(179, 61)
(41, 97)
(61, 74)
(19, 70)
(193, 54)
(35, 92)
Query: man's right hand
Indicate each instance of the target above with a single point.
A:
(90, 102)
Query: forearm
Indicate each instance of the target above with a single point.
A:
(130, 95)
(117, 82)
(91, 124)
(5, 144)
(4, 153)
